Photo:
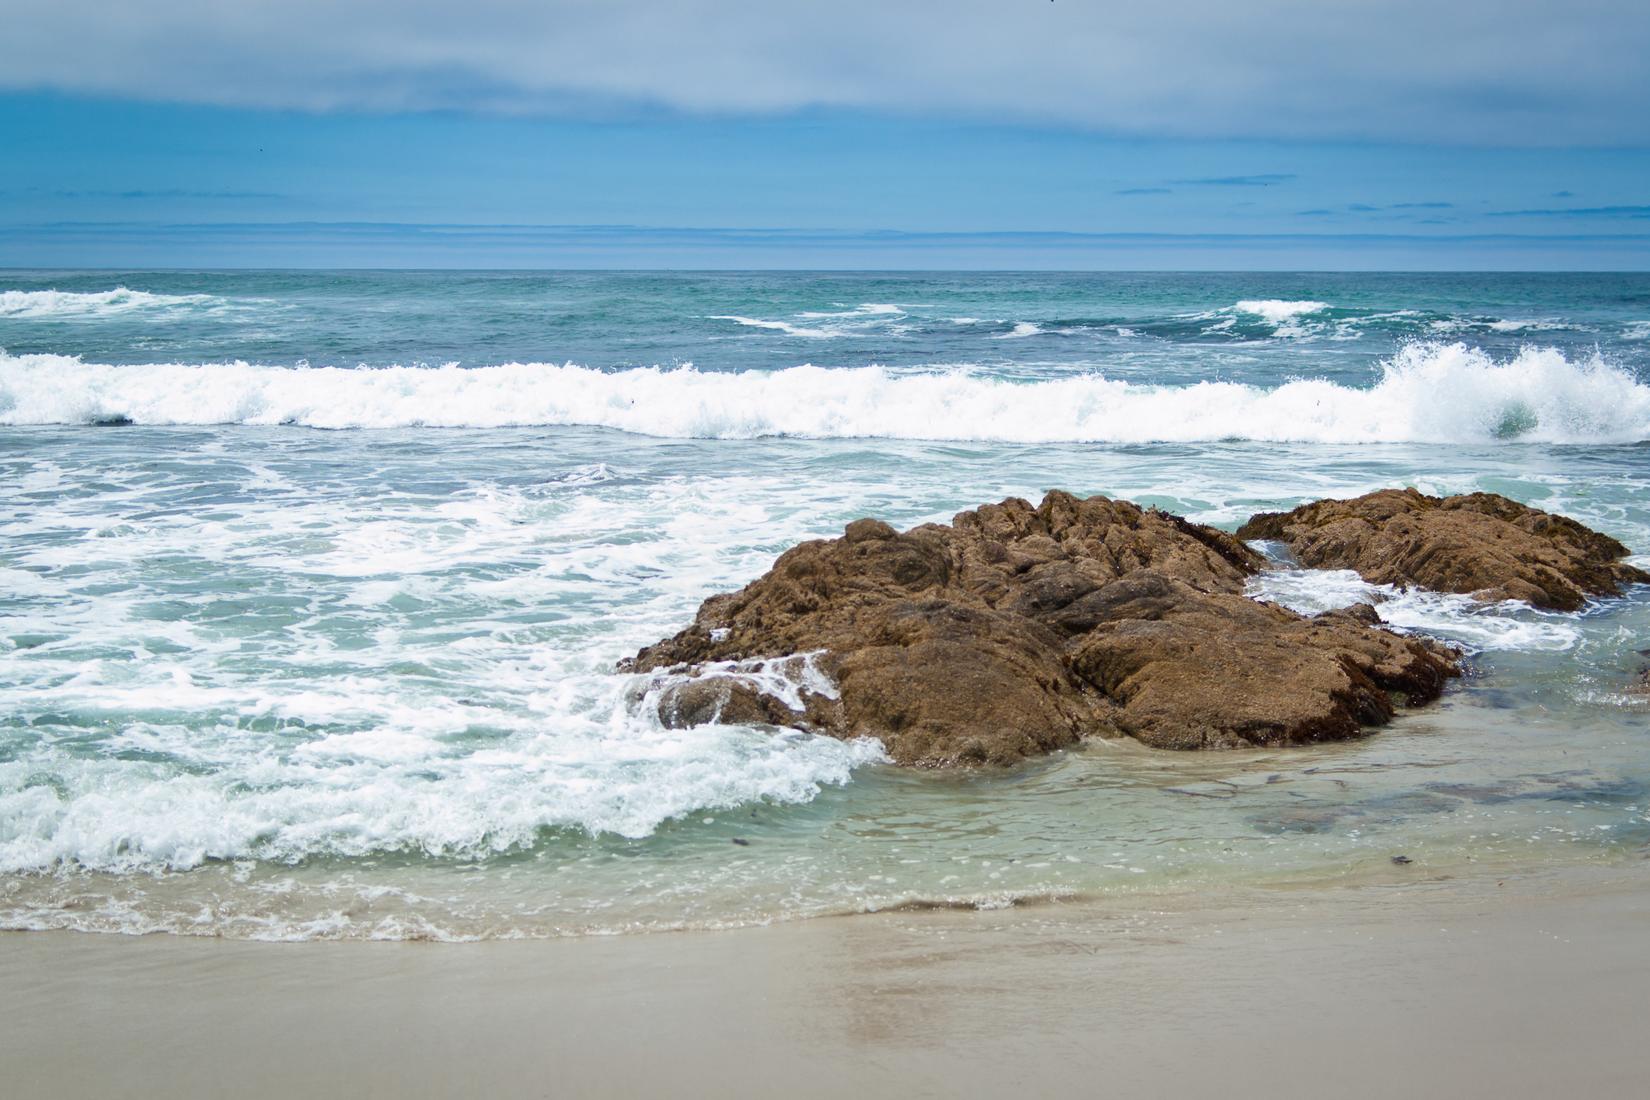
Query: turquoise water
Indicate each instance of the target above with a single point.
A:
(262, 679)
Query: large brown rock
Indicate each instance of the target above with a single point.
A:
(1017, 630)
(1480, 544)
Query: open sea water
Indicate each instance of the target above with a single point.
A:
(312, 585)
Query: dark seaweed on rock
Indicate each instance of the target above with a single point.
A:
(1016, 630)
(1479, 544)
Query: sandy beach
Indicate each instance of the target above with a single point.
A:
(1519, 987)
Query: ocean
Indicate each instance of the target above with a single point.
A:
(313, 585)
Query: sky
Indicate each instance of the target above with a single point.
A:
(724, 133)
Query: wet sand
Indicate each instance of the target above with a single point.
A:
(1530, 986)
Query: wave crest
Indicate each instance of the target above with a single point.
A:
(1278, 310)
(1432, 393)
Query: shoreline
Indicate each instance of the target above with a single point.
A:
(1517, 986)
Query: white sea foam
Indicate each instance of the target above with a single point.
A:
(1499, 626)
(81, 305)
(825, 324)
(865, 309)
(1449, 326)
(1426, 393)
(374, 720)
(384, 789)
(202, 759)
(350, 802)
(777, 326)
(787, 679)
(1515, 325)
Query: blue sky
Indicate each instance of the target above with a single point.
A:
(626, 134)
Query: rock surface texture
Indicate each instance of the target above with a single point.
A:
(1480, 544)
(1016, 630)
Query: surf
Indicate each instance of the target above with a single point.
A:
(1425, 393)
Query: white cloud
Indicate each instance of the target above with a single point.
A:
(1476, 71)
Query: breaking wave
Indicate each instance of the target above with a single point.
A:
(1278, 311)
(1435, 393)
(1287, 318)
(80, 305)
(1021, 328)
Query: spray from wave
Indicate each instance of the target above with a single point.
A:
(1435, 393)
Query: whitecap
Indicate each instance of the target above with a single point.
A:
(776, 326)
(82, 305)
(1278, 310)
(866, 309)
(1430, 393)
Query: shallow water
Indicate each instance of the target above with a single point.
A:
(258, 679)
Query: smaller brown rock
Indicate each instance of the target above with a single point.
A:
(1479, 544)
(1214, 670)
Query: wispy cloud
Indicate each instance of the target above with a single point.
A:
(169, 193)
(1577, 212)
(1145, 191)
(1263, 179)
(138, 195)
(1374, 208)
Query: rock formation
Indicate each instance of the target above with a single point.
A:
(1479, 544)
(1016, 630)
